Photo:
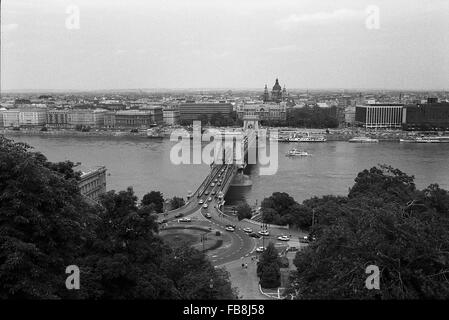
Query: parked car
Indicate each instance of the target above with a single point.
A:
(209, 199)
(205, 206)
(208, 216)
(264, 233)
(214, 192)
(248, 230)
(260, 249)
(284, 238)
(231, 225)
(230, 229)
(201, 201)
(184, 220)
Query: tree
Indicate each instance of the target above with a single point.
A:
(243, 211)
(154, 198)
(44, 223)
(278, 208)
(176, 202)
(385, 221)
(45, 226)
(195, 278)
(124, 261)
(204, 119)
(268, 268)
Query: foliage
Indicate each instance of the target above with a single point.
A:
(43, 223)
(195, 277)
(243, 211)
(45, 226)
(176, 202)
(312, 117)
(278, 208)
(385, 221)
(155, 198)
(268, 268)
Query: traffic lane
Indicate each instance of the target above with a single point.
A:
(242, 245)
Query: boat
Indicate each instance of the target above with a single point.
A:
(363, 140)
(312, 139)
(154, 134)
(307, 138)
(428, 139)
(295, 152)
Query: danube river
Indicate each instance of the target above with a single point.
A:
(145, 165)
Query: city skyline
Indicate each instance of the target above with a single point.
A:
(223, 45)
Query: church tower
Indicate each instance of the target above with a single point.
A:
(266, 95)
(276, 93)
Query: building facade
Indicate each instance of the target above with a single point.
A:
(32, 117)
(430, 116)
(133, 119)
(349, 116)
(156, 113)
(171, 116)
(265, 111)
(109, 119)
(57, 118)
(1, 117)
(194, 111)
(379, 116)
(92, 182)
(86, 117)
(11, 118)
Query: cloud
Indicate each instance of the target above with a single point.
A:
(340, 15)
(287, 48)
(9, 27)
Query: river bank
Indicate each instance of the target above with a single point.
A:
(333, 135)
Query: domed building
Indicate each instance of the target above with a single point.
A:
(277, 93)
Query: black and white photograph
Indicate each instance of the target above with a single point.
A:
(255, 153)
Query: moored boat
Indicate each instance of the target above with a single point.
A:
(363, 140)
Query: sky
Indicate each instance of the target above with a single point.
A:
(134, 44)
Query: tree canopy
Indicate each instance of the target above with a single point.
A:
(385, 221)
(45, 226)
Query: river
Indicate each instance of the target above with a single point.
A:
(145, 165)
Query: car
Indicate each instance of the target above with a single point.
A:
(179, 215)
(219, 183)
(254, 235)
(212, 184)
(264, 233)
(214, 192)
(283, 238)
(205, 206)
(230, 229)
(206, 192)
(208, 216)
(260, 249)
(201, 201)
(184, 220)
(216, 180)
(232, 226)
(209, 199)
(248, 230)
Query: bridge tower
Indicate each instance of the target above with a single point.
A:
(251, 122)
